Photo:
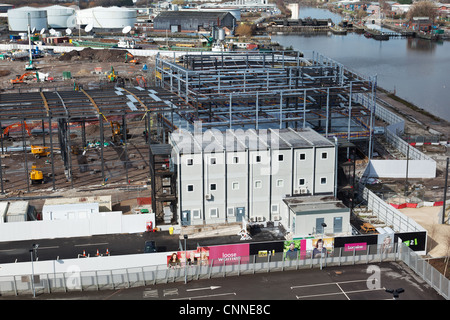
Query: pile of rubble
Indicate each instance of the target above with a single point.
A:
(95, 55)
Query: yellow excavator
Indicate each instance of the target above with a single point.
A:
(39, 151)
(112, 76)
(117, 133)
(36, 176)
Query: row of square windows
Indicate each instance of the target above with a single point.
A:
(302, 156)
(214, 212)
(257, 184)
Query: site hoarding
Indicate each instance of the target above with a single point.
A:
(305, 248)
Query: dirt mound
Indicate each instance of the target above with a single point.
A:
(98, 55)
(4, 73)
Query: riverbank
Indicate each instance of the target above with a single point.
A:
(419, 121)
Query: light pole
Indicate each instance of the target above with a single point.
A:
(185, 259)
(324, 225)
(33, 249)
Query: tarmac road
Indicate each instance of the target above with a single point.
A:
(116, 244)
(356, 282)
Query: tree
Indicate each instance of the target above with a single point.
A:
(422, 9)
(244, 30)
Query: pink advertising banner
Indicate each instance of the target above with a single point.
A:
(230, 254)
(355, 246)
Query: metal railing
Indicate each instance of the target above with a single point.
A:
(74, 280)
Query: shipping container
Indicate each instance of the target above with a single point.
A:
(69, 211)
(17, 211)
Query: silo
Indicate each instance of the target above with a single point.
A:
(108, 18)
(60, 17)
(18, 19)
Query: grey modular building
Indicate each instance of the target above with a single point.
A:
(227, 176)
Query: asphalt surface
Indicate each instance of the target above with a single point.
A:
(116, 244)
(355, 282)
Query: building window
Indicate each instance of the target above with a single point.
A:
(213, 161)
(235, 160)
(189, 162)
(323, 180)
(212, 187)
(280, 183)
(213, 213)
(235, 185)
(324, 155)
(275, 208)
(301, 182)
(280, 157)
(302, 156)
(258, 184)
(196, 214)
(190, 187)
(230, 212)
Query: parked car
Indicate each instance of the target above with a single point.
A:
(150, 246)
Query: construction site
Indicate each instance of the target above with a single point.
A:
(103, 126)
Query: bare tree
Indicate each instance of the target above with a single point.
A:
(423, 9)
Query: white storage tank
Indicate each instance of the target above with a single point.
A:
(108, 18)
(19, 18)
(17, 211)
(61, 17)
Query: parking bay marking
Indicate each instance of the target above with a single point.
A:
(335, 293)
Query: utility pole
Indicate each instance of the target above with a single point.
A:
(445, 192)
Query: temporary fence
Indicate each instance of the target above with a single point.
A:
(73, 280)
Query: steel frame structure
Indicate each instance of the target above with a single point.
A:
(61, 110)
(274, 89)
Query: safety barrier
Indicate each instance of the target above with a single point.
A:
(72, 280)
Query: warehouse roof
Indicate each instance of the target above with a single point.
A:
(185, 142)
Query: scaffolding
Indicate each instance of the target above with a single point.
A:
(269, 90)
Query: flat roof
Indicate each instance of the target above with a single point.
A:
(186, 142)
(301, 204)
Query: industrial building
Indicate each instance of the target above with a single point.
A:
(190, 21)
(248, 174)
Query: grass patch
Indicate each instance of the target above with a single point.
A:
(412, 106)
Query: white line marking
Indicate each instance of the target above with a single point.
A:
(328, 283)
(342, 291)
(207, 296)
(91, 244)
(207, 288)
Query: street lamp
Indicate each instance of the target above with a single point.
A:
(34, 248)
(324, 225)
(185, 259)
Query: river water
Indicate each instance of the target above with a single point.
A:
(417, 70)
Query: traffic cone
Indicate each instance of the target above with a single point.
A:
(98, 253)
(84, 253)
(107, 251)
